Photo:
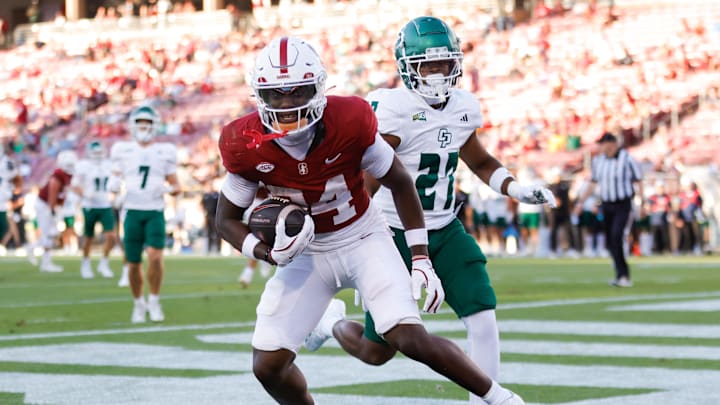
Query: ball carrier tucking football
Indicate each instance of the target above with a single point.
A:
(276, 212)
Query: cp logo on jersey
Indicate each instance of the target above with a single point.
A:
(302, 168)
(444, 137)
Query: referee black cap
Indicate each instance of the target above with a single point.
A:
(607, 137)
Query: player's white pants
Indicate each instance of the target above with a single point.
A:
(46, 223)
(296, 297)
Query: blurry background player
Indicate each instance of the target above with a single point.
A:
(429, 60)
(68, 236)
(91, 182)
(208, 202)
(145, 166)
(590, 220)
(8, 172)
(530, 218)
(15, 238)
(499, 217)
(49, 203)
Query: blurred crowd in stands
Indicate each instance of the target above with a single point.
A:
(549, 87)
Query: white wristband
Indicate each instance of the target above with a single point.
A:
(498, 178)
(248, 246)
(417, 236)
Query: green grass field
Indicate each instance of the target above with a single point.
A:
(566, 337)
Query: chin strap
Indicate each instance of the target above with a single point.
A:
(257, 137)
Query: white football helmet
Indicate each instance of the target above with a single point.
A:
(144, 123)
(66, 161)
(95, 150)
(289, 66)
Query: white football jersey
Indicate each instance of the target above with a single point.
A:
(92, 176)
(143, 171)
(8, 171)
(430, 141)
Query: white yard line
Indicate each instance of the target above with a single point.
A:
(148, 329)
(94, 301)
(683, 306)
(675, 386)
(535, 327)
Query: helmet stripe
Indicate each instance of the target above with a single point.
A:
(283, 55)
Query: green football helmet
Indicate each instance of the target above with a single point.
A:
(428, 39)
(95, 150)
(144, 123)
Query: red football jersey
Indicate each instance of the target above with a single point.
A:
(329, 181)
(64, 179)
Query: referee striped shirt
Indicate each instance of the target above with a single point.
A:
(615, 175)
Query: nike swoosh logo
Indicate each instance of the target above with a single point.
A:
(332, 160)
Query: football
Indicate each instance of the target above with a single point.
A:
(263, 218)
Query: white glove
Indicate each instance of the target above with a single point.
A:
(287, 247)
(423, 275)
(531, 194)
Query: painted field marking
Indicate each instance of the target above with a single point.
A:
(680, 386)
(681, 306)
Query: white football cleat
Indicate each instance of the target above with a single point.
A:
(86, 271)
(104, 270)
(323, 331)
(246, 277)
(624, 282)
(50, 267)
(138, 313)
(155, 311)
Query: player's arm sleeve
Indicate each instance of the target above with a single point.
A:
(378, 158)
(239, 190)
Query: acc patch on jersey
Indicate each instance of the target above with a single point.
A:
(265, 167)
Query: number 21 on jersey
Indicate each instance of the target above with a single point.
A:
(433, 183)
